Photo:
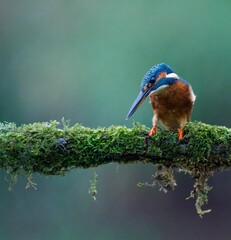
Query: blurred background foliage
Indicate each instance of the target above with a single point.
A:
(84, 60)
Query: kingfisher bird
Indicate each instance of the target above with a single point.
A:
(172, 98)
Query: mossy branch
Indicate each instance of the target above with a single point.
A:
(51, 149)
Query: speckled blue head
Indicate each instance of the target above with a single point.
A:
(153, 74)
(150, 77)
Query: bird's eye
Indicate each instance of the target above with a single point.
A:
(150, 84)
(153, 79)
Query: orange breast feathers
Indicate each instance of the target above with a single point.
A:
(173, 105)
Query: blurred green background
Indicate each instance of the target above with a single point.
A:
(84, 60)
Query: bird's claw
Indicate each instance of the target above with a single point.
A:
(180, 133)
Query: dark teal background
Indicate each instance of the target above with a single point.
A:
(84, 60)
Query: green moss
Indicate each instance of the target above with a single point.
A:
(200, 190)
(47, 149)
(165, 145)
(53, 149)
(203, 137)
(102, 145)
(203, 150)
(163, 177)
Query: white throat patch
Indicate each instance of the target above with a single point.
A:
(159, 89)
(172, 75)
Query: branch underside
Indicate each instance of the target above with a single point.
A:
(47, 149)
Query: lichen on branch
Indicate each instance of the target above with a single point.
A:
(51, 148)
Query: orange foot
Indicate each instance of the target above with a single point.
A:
(152, 131)
(180, 133)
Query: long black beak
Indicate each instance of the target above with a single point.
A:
(139, 100)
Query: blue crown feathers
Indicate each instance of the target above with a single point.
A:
(153, 73)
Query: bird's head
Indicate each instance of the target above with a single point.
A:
(156, 73)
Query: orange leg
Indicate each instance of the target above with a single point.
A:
(152, 131)
(154, 123)
(180, 133)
